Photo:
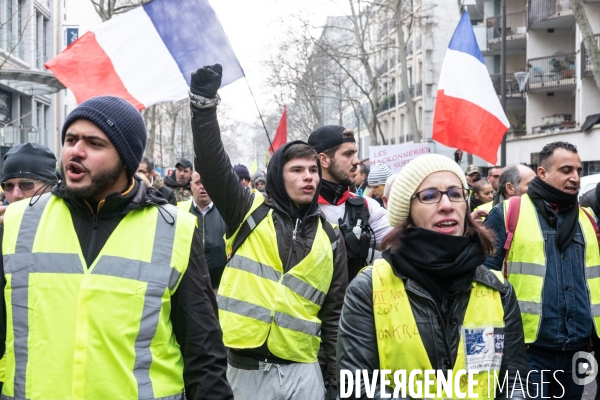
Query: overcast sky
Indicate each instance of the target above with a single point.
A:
(254, 28)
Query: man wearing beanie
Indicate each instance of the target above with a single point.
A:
(29, 170)
(106, 290)
(552, 263)
(377, 177)
(337, 154)
(283, 288)
(179, 180)
(244, 175)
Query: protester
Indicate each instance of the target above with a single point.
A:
(337, 154)
(493, 175)
(361, 183)
(179, 180)
(211, 227)
(146, 169)
(377, 177)
(473, 175)
(244, 176)
(387, 190)
(590, 199)
(482, 193)
(434, 293)
(260, 184)
(113, 302)
(282, 291)
(29, 169)
(458, 154)
(553, 248)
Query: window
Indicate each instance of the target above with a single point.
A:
(393, 134)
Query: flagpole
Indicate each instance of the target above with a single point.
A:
(259, 114)
(503, 81)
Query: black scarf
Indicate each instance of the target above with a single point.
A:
(539, 192)
(332, 192)
(440, 263)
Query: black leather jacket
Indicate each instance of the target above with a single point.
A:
(357, 344)
(233, 202)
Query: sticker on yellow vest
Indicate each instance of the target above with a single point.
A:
(483, 348)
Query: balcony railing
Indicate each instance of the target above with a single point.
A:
(542, 10)
(512, 86)
(516, 27)
(14, 135)
(586, 63)
(388, 102)
(415, 90)
(552, 72)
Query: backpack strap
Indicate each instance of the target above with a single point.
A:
(248, 226)
(593, 221)
(330, 231)
(512, 217)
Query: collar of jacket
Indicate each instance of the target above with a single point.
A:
(170, 182)
(482, 275)
(157, 182)
(136, 196)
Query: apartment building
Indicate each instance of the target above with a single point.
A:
(544, 41)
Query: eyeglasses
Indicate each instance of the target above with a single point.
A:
(25, 186)
(432, 196)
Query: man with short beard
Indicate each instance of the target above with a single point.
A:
(337, 154)
(552, 264)
(179, 180)
(106, 288)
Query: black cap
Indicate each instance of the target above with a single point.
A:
(30, 160)
(185, 163)
(327, 137)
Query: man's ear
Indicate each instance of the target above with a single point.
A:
(510, 190)
(541, 171)
(385, 201)
(324, 160)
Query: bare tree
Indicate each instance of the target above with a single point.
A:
(107, 8)
(589, 40)
(15, 30)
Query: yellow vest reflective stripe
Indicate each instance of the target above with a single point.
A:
(526, 264)
(258, 301)
(103, 331)
(398, 340)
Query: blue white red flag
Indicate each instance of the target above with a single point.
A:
(468, 114)
(147, 55)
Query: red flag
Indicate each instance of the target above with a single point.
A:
(281, 134)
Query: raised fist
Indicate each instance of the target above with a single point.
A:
(206, 81)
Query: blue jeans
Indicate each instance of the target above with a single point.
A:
(548, 384)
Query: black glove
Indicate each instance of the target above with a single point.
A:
(207, 80)
(331, 393)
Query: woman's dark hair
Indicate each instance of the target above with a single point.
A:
(475, 231)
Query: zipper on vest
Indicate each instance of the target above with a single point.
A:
(292, 243)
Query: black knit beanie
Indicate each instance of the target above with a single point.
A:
(120, 121)
(30, 161)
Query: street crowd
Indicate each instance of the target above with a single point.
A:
(215, 284)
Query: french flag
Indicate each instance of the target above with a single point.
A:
(468, 115)
(146, 56)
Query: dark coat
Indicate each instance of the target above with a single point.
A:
(193, 307)
(438, 328)
(212, 231)
(233, 202)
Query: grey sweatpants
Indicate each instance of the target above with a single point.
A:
(277, 382)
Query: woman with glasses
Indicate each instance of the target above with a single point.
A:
(429, 313)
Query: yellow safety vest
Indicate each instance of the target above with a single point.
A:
(398, 339)
(487, 207)
(97, 332)
(185, 205)
(258, 301)
(526, 264)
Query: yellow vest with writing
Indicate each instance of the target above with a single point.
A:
(526, 264)
(258, 301)
(97, 332)
(398, 340)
